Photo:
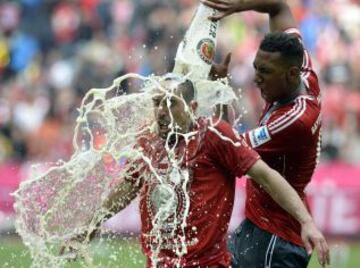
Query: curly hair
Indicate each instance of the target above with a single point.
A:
(289, 46)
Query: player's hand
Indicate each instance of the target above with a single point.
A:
(226, 7)
(220, 70)
(70, 248)
(75, 249)
(313, 238)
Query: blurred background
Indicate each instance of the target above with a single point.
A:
(53, 52)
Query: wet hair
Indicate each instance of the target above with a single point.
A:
(289, 46)
(185, 86)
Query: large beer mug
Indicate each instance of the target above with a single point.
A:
(197, 50)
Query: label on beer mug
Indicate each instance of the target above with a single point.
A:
(197, 50)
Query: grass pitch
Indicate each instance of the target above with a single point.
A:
(126, 253)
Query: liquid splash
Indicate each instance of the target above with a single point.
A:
(67, 200)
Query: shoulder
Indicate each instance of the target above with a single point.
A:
(298, 115)
(221, 136)
(227, 148)
(217, 129)
(309, 76)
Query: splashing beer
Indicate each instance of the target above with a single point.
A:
(66, 200)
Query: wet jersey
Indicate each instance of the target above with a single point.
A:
(208, 166)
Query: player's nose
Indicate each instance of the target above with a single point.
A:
(258, 79)
(162, 110)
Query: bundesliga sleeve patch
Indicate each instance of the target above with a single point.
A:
(259, 136)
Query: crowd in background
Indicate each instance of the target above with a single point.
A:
(52, 52)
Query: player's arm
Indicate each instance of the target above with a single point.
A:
(279, 12)
(281, 191)
(120, 197)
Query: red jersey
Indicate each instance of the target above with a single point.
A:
(288, 140)
(211, 163)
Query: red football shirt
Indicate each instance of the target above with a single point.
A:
(288, 140)
(212, 164)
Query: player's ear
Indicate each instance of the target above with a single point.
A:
(193, 105)
(293, 73)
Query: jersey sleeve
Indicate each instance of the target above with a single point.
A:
(264, 138)
(285, 128)
(229, 150)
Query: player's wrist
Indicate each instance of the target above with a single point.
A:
(306, 220)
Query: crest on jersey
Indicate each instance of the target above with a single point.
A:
(206, 50)
(259, 136)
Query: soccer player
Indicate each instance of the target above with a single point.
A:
(287, 138)
(209, 161)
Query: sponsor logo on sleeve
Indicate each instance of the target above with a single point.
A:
(259, 136)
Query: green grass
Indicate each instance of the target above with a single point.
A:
(125, 253)
(343, 255)
(120, 253)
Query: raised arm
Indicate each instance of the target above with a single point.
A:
(281, 191)
(280, 16)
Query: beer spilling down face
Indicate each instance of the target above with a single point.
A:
(174, 106)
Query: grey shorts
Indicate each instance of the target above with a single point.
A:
(252, 247)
